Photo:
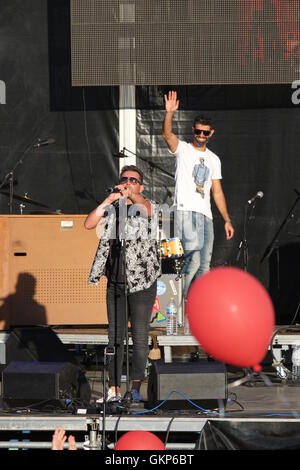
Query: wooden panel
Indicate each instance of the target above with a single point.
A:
(45, 261)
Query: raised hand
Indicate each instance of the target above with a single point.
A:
(171, 102)
(114, 196)
(72, 443)
(58, 439)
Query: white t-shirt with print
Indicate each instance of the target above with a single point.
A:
(194, 172)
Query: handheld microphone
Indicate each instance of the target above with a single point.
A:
(258, 195)
(112, 189)
(41, 143)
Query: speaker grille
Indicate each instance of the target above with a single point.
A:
(61, 285)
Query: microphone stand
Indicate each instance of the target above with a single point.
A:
(10, 176)
(127, 400)
(275, 245)
(108, 353)
(243, 245)
(274, 241)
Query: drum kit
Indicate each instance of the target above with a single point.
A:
(170, 247)
(26, 199)
(171, 256)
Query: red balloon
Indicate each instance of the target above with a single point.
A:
(232, 316)
(139, 440)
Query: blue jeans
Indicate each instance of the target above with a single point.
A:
(197, 235)
(140, 306)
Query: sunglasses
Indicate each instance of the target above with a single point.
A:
(129, 179)
(201, 131)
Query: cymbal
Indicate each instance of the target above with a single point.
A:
(45, 213)
(25, 198)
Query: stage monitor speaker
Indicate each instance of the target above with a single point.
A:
(40, 383)
(42, 345)
(36, 344)
(203, 382)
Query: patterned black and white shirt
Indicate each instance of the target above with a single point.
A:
(142, 256)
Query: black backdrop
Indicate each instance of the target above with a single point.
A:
(257, 139)
(35, 65)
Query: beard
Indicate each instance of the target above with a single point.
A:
(199, 144)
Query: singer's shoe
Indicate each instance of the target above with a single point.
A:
(136, 396)
(110, 396)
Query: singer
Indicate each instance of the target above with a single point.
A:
(198, 174)
(141, 273)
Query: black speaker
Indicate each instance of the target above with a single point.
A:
(36, 344)
(203, 382)
(31, 382)
(42, 345)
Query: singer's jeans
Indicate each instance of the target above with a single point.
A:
(197, 235)
(140, 306)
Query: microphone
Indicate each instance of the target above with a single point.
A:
(258, 195)
(112, 189)
(41, 143)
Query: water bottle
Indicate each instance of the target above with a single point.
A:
(296, 364)
(171, 328)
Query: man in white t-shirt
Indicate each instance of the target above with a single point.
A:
(198, 173)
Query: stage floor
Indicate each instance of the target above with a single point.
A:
(253, 403)
(261, 398)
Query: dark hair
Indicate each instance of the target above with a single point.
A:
(205, 121)
(133, 168)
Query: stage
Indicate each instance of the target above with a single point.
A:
(265, 408)
(256, 405)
